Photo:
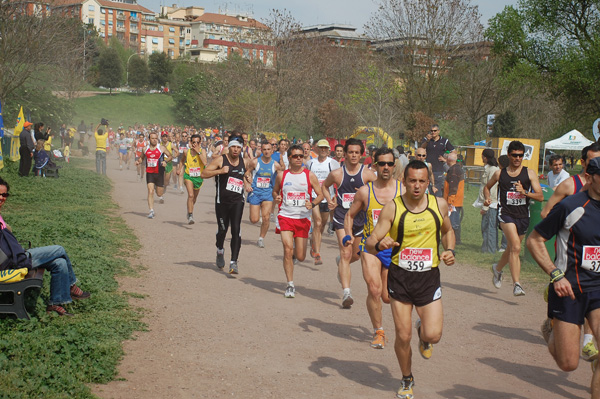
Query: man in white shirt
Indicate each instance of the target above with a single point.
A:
(557, 175)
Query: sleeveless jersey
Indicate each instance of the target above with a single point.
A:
(577, 184)
(374, 208)
(139, 148)
(153, 158)
(193, 164)
(322, 170)
(169, 147)
(295, 191)
(511, 202)
(345, 196)
(419, 235)
(262, 180)
(230, 186)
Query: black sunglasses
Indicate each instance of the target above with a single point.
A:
(515, 155)
(381, 163)
(5, 195)
(296, 156)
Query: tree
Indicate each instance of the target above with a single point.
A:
(110, 69)
(505, 125)
(199, 101)
(139, 74)
(160, 69)
(418, 126)
(336, 121)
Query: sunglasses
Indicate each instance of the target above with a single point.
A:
(515, 155)
(296, 156)
(435, 130)
(390, 164)
(421, 155)
(5, 195)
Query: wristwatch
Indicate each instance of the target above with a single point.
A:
(451, 250)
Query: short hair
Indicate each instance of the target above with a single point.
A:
(594, 147)
(4, 183)
(195, 136)
(297, 147)
(503, 161)
(265, 142)
(400, 149)
(338, 146)
(435, 125)
(554, 158)
(415, 164)
(284, 140)
(353, 141)
(383, 151)
(515, 146)
(100, 131)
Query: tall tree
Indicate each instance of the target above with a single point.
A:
(110, 69)
(199, 101)
(160, 69)
(139, 73)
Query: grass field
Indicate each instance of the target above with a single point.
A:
(125, 108)
(51, 356)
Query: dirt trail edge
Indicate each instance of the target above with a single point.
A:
(212, 335)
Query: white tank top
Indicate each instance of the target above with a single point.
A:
(322, 170)
(295, 191)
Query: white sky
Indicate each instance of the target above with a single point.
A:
(313, 12)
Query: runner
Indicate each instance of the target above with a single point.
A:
(292, 191)
(260, 174)
(140, 144)
(281, 154)
(184, 145)
(121, 144)
(156, 157)
(371, 198)
(321, 167)
(338, 153)
(176, 138)
(228, 171)
(349, 178)
(514, 185)
(413, 226)
(193, 163)
(574, 294)
(166, 142)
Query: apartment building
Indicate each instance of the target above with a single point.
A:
(338, 35)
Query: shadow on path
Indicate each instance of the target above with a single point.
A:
(344, 331)
(519, 334)
(467, 392)
(484, 292)
(278, 287)
(368, 374)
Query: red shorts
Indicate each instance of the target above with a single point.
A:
(300, 227)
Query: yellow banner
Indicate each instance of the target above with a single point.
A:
(20, 123)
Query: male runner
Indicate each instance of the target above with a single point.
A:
(140, 144)
(166, 142)
(348, 179)
(121, 143)
(184, 145)
(281, 155)
(514, 185)
(371, 198)
(338, 153)
(574, 294)
(321, 167)
(413, 226)
(193, 163)
(260, 173)
(156, 157)
(292, 191)
(229, 172)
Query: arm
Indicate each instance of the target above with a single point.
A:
(332, 178)
(359, 203)
(379, 238)
(314, 182)
(368, 175)
(168, 156)
(537, 194)
(448, 238)
(248, 175)
(276, 188)
(180, 165)
(214, 168)
(488, 186)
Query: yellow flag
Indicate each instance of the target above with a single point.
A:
(20, 123)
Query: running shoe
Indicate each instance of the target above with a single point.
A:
(220, 259)
(347, 301)
(378, 339)
(518, 290)
(589, 353)
(425, 348)
(161, 200)
(290, 292)
(151, 214)
(405, 391)
(181, 190)
(318, 260)
(546, 329)
(497, 278)
(191, 219)
(233, 268)
(261, 242)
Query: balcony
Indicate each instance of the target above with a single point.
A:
(120, 29)
(121, 16)
(133, 19)
(133, 28)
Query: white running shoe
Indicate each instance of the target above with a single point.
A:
(290, 292)
(151, 214)
(161, 200)
(261, 242)
(191, 219)
(518, 290)
(497, 278)
(347, 301)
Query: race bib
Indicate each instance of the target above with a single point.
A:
(347, 200)
(375, 213)
(295, 198)
(181, 149)
(590, 259)
(263, 182)
(514, 198)
(195, 172)
(152, 162)
(416, 259)
(234, 185)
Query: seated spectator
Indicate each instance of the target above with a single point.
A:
(40, 158)
(84, 149)
(53, 258)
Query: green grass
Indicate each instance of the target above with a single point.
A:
(125, 108)
(56, 357)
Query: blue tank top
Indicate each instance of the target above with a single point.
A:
(262, 180)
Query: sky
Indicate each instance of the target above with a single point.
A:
(312, 12)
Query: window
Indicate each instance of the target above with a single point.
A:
(187, 42)
(133, 14)
(160, 28)
(171, 53)
(171, 41)
(110, 11)
(154, 40)
(171, 29)
(110, 22)
(143, 40)
(102, 22)
(211, 36)
(91, 21)
(102, 11)
(91, 7)
(189, 30)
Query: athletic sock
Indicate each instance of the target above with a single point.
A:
(220, 251)
(377, 329)
(291, 283)
(346, 291)
(587, 338)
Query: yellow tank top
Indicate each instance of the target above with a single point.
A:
(374, 208)
(193, 164)
(101, 141)
(169, 147)
(419, 235)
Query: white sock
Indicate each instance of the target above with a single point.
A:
(346, 291)
(220, 251)
(377, 329)
(291, 283)
(587, 338)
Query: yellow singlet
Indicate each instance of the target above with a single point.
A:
(193, 164)
(374, 208)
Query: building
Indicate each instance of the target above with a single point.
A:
(336, 34)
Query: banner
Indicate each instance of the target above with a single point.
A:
(20, 123)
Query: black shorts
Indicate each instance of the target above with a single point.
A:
(572, 311)
(157, 178)
(521, 223)
(418, 288)
(357, 229)
(323, 207)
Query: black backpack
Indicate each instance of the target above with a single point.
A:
(12, 254)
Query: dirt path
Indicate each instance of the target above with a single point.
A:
(216, 336)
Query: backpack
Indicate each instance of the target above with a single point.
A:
(12, 254)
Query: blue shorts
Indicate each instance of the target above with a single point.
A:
(522, 224)
(572, 311)
(123, 151)
(385, 256)
(257, 197)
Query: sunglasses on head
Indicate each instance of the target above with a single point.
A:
(517, 155)
(381, 163)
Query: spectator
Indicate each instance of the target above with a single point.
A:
(63, 133)
(40, 158)
(82, 130)
(558, 174)
(436, 147)
(53, 258)
(489, 214)
(454, 193)
(27, 145)
(101, 138)
(39, 132)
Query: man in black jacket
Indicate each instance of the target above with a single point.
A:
(26, 149)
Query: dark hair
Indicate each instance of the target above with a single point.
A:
(594, 147)
(415, 164)
(286, 140)
(383, 151)
(100, 132)
(490, 156)
(503, 161)
(237, 138)
(400, 149)
(353, 141)
(297, 147)
(515, 146)
(4, 183)
(554, 158)
(195, 136)
(264, 142)
(337, 146)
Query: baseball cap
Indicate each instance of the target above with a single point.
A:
(27, 124)
(593, 166)
(323, 143)
(164, 134)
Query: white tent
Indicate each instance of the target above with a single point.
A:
(572, 140)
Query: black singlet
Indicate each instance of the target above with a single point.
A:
(511, 202)
(230, 186)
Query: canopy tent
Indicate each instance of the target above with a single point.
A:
(572, 140)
